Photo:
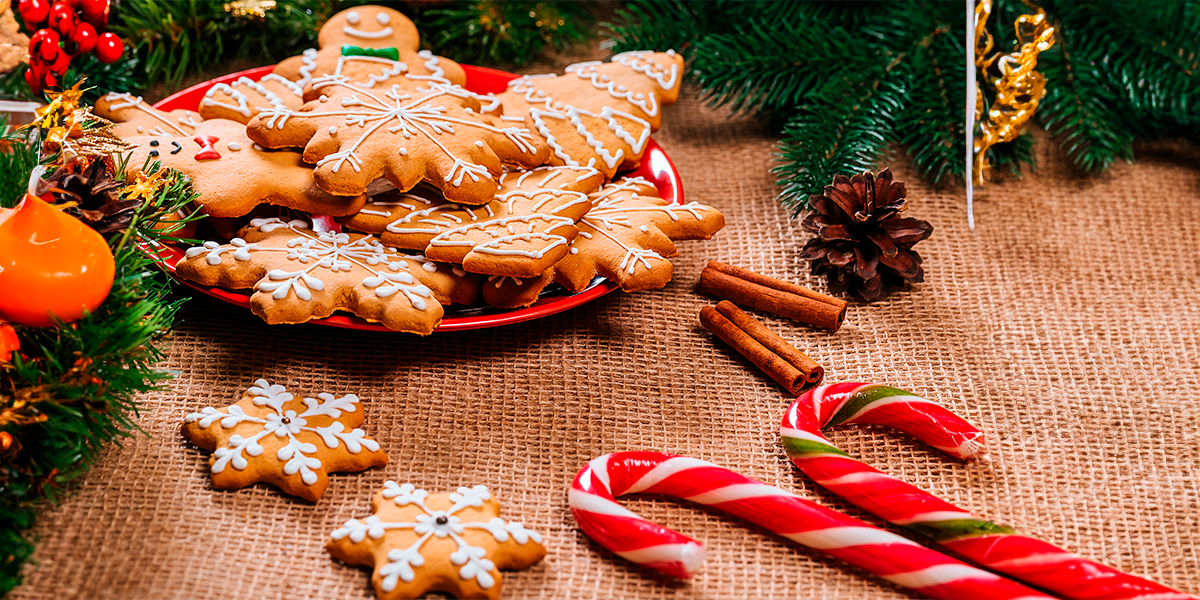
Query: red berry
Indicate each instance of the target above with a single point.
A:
(109, 48)
(95, 12)
(34, 12)
(32, 80)
(61, 62)
(63, 17)
(43, 45)
(85, 37)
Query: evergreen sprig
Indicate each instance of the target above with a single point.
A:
(1120, 70)
(503, 31)
(71, 389)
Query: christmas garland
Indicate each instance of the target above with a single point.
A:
(67, 389)
(843, 81)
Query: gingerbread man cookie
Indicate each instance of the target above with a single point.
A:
(369, 46)
(234, 175)
(626, 237)
(135, 117)
(598, 114)
(419, 542)
(293, 443)
(433, 133)
(299, 274)
(525, 229)
(241, 100)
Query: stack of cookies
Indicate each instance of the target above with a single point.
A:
(438, 195)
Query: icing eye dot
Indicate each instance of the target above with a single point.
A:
(352, 17)
(383, 18)
(403, 152)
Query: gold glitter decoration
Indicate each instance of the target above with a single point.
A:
(145, 186)
(249, 8)
(71, 131)
(1019, 88)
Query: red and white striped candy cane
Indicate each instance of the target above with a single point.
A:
(894, 558)
(991, 545)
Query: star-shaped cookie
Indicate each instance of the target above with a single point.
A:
(527, 227)
(292, 443)
(134, 116)
(233, 175)
(432, 133)
(419, 542)
(626, 237)
(598, 114)
(299, 274)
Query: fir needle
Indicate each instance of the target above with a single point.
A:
(970, 113)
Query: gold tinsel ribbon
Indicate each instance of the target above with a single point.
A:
(1019, 88)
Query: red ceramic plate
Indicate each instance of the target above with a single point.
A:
(656, 167)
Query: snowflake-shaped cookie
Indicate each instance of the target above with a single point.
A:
(299, 274)
(293, 443)
(597, 114)
(525, 229)
(433, 132)
(626, 237)
(418, 542)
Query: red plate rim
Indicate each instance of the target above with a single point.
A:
(656, 167)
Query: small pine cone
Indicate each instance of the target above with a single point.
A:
(863, 246)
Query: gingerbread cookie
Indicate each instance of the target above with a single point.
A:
(524, 230)
(234, 175)
(419, 542)
(292, 443)
(626, 237)
(355, 136)
(598, 114)
(135, 117)
(369, 46)
(299, 274)
(241, 100)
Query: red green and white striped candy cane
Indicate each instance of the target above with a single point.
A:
(894, 558)
(996, 547)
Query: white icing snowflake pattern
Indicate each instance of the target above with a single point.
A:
(408, 113)
(284, 424)
(471, 560)
(386, 271)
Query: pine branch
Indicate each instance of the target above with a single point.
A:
(17, 159)
(504, 31)
(932, 125)
(826, 139)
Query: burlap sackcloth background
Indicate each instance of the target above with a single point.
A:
(1065, 326)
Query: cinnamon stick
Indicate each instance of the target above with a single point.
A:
(788, 366)
(771, 295)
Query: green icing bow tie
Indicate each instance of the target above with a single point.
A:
(388, 53)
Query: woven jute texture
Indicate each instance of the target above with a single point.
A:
(1065, 326)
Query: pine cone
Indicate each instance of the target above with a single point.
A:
(97, 196)
(863, 246)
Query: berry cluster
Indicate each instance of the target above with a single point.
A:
(62, 31)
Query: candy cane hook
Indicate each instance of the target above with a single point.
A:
(997, 547)
(897, 559)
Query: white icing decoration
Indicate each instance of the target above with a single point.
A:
(127, 100)
(403, 151)
(574, 250)
(308, 64)
(608, 212)
(140, 129)
(389, 70)
(418, 115)
(234, 146)
(367, 35)
(639, 61)
(352, 17)
(643, 229)
(285, 424)
(383, 18)
(387, 270)
(436, 523)
(333, 130)
(478, 143)
(243, 106)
